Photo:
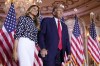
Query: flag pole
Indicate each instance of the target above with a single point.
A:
(86, 49)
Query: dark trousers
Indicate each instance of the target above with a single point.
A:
(57, 60)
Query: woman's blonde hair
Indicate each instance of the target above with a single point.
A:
(36, 21)
(29, 9)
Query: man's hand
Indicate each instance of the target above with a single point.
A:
(43, 52)
(69, 57)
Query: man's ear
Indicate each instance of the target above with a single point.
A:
(53, 13)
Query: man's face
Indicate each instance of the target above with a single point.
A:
(58, 12)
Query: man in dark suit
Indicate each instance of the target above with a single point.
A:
(54, 38)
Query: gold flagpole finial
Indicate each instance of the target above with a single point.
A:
(91, 15)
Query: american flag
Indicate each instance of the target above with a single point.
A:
(93, 45)
(77, 45)
(7, 40)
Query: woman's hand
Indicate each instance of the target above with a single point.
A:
(15, 55)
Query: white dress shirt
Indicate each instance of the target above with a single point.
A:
(56, 19)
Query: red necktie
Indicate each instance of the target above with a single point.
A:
(60, 35)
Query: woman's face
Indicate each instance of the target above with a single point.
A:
(34, 11)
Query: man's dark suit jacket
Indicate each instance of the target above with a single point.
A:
(48, 37)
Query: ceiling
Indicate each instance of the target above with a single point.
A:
(83, 6)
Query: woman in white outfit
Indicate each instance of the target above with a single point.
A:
(26, 37)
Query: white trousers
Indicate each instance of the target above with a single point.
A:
(26, 52)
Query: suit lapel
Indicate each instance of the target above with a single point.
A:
(55, 26)
(62, 26)
(62, 30)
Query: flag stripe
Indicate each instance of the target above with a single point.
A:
(5, 46)
(94, 43)
(38, 61)
(7, 56)
(93, 54)
(6, 42)
(4, 57)
(7, 36)
(77, 49)
(93, 48)
(77, 45)
(36, 56)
